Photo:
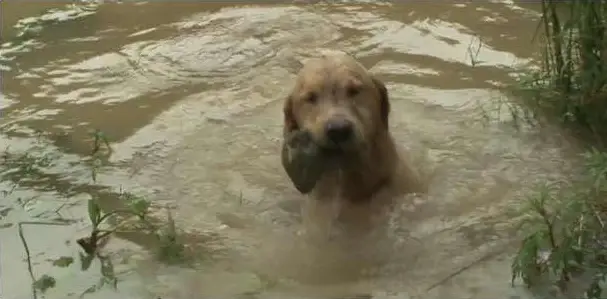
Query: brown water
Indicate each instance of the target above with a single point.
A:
(190, 96)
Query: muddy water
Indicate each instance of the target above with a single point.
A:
(190, 97)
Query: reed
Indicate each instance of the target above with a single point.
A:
(565, 236)
(570, 87)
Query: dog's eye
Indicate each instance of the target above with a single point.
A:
(353, 91)
(311, 98)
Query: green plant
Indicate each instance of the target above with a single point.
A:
(566, 231)
(97, 155)
(565, 224)
(104, 223)
(570, 86)
(170, 248)
(136, 207)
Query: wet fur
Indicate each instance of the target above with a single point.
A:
(375, 170)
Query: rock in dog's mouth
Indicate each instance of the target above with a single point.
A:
(304, 142)
(338, 154)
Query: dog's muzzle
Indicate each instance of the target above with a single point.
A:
(339, 132)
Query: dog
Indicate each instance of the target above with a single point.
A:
(337, 146)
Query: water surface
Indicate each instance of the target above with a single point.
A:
(190, 95)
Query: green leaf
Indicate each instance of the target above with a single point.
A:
(139, 206)
(594, 290)
(63, 261)
(94, 175)
(44, 283)
(94, 211)
(86, 261)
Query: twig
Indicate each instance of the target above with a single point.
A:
(27, 250)
(598, 217)
(469, 266)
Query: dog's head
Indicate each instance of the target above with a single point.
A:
(338, 102)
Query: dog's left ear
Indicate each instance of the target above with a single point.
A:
(384, 100)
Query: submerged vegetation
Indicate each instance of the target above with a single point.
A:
(565, 224)
(133, 215)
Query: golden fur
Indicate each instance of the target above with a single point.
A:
(336, 88)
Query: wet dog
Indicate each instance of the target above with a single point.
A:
(337, 143)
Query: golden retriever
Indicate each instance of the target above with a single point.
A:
(342, 112)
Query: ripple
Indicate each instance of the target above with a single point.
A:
(228, 47)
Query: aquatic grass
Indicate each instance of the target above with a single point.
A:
(133, 215)
(564, 225)
(565, 233)
(170, 248)
(570, 86)
(99, 139)
(493, 110)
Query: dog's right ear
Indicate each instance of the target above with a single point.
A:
(290, 124)
(384, 100)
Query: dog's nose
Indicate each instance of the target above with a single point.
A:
(339, 130)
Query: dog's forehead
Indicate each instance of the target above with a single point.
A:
(331, 70)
